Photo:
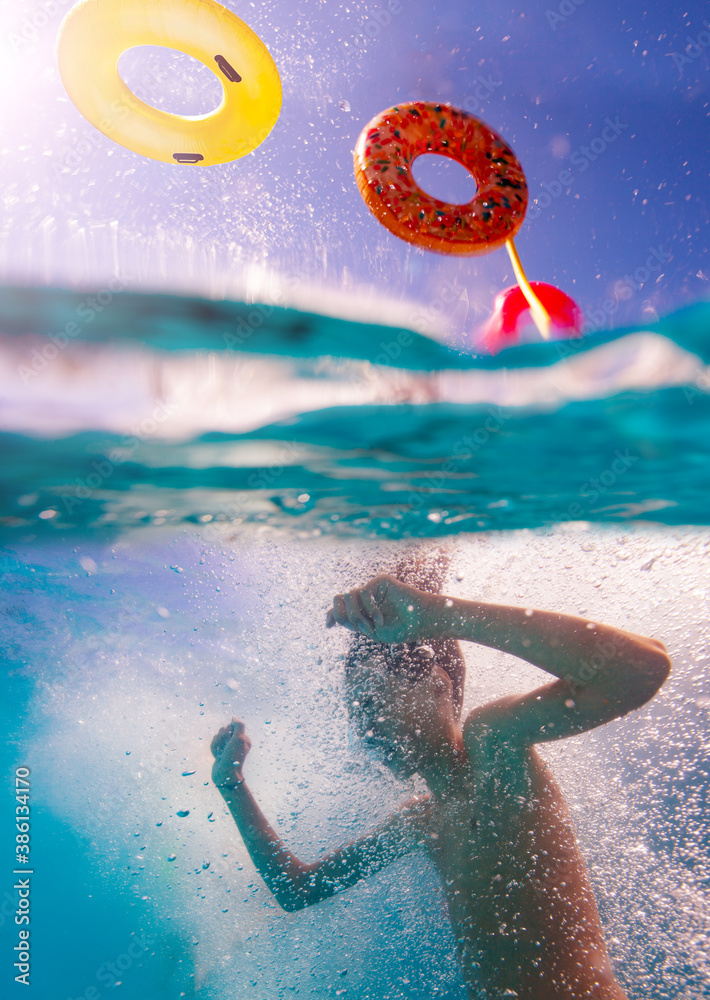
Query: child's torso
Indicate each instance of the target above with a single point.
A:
(519, 899)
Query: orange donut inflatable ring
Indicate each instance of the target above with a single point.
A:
(384, 155)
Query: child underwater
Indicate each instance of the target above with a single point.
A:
(494, 822)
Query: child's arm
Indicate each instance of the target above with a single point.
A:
(604, 672)
(294, 883)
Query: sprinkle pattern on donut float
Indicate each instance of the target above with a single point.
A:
(384, 155)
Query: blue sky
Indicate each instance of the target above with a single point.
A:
(613, 96)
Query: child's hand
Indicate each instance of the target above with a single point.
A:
(384, 610)
(230, 747)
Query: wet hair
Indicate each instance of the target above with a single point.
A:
(415, 660)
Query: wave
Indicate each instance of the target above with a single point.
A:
(177, 323)
(143, 418)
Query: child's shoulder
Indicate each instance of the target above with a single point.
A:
(416, 805)
(492, 748)
(415, 813)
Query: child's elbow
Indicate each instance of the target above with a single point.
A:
(655, 668)
(297, 898)
(291, 903)
(304, 895)
(661, 665)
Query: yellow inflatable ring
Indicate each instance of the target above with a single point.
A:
(93, 37)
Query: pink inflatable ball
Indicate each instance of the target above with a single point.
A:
(511, 316)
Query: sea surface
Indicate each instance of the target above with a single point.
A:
(154, 409)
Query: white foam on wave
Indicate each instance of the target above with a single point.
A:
(179, 395)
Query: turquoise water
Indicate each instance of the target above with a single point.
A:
(122, 658)
(160, 577)
(350, 429)
(186, 482)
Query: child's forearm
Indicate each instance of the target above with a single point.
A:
(563, 645)
(281, 870)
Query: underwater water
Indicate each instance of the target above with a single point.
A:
(123, 658)
(161, 578)
(228, 393)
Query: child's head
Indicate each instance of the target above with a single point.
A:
(402, 698)
(412, 661)
(398, 692)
